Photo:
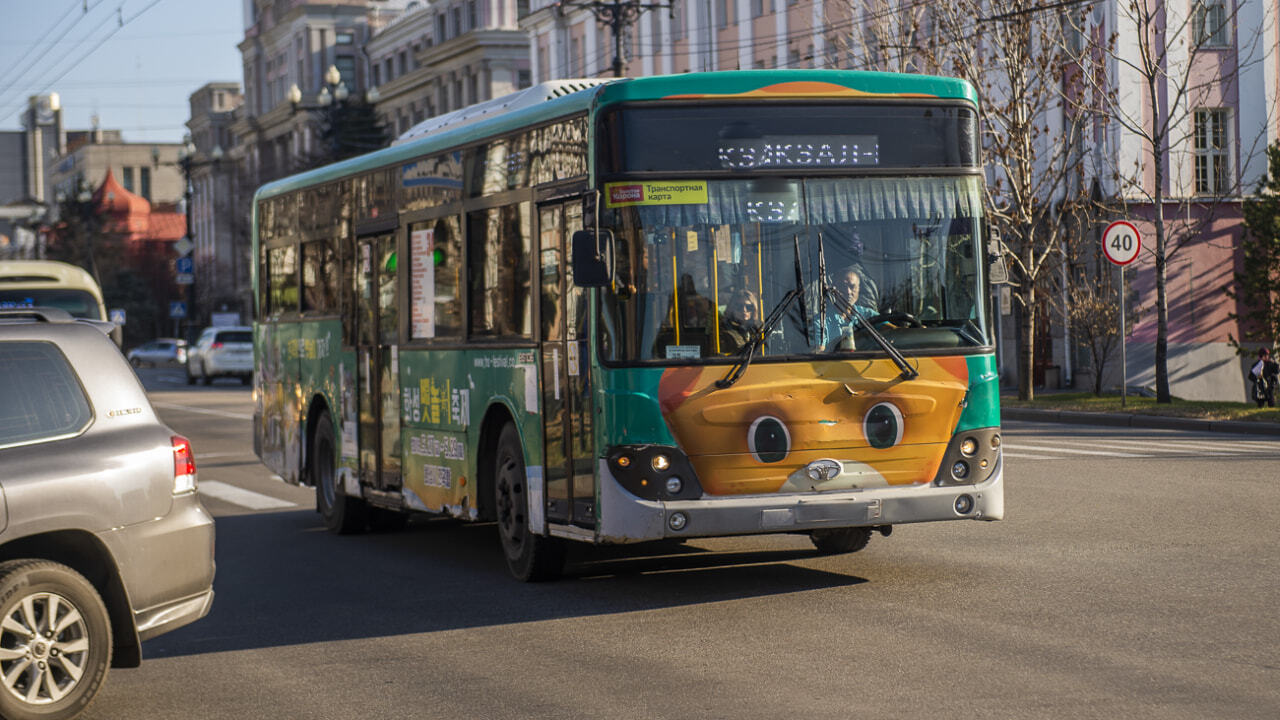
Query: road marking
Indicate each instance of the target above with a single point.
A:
(207, 456)
(202, 411)
(1072, 451)
(1028, 456)
(1176, 448)
(240, 496)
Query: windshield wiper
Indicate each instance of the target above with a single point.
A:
(847, 308)
(756, 340)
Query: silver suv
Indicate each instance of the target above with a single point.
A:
(221, 352)
(103, 540)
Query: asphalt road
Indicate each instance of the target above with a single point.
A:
(1135, 577)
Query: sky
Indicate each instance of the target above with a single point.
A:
(137, 78)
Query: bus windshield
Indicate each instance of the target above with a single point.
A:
(79, 303)
(702, 264)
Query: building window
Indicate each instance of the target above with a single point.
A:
(440, 28)
(377, 75)
(524, 79)
(1210, 24)
(1212, 162)
(346, 65)
(404, 62)
(144, 183)
(126, 178)
(473, 15)
(456, 12)
(758, 7)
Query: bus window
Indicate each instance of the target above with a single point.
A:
(435, 248)
(319, 277)
(499, 242)
(282, 279)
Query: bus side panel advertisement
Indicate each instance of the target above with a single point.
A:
(440, 421)
(758, 435)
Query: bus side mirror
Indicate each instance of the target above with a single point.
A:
(997, 271)
(592, 258)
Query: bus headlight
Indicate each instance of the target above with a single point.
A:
(654, 472)
(970, 457)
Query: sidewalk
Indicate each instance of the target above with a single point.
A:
(1134, 420)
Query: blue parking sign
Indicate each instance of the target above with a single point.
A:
(116, 316)
(177, 309)
(185, 265)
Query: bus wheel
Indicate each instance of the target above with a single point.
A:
(840, 540)
(342, 513)
(530, 557)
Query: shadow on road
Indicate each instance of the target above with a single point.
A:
(283, 580)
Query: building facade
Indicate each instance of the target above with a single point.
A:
(442, 56)
(221, 258)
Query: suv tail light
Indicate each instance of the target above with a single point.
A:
(184, 466)
(215, 346)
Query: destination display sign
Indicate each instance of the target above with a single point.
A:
(800, 151)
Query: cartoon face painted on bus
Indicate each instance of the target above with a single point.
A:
(814, 426)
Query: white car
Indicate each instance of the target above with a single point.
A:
(221, 352)
(161, 351)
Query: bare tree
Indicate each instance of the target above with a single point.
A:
(1157, 76)
(1020, 64)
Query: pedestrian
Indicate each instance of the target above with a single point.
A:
(1263, 375)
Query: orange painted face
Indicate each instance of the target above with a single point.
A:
(766, 432)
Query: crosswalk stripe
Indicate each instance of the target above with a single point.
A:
(240, 496)
(1149, 447)
(1071, 451)
(202, 411)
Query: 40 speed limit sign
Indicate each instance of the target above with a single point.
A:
(1121, 242)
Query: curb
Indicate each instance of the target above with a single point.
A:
(1156, 422)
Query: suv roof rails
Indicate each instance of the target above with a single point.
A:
(42, 314)
(52, 315)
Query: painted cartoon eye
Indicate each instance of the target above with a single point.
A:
(883, 425)
(768, 439)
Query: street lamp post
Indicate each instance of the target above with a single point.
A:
(618, 15)
(335, 107)
(188, 163)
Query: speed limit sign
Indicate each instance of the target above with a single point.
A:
(1121, 242)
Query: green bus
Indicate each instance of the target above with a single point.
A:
(616, 311)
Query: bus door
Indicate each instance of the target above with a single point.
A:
(564, 348)
(377, 362)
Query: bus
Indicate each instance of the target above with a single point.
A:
(626, 310)
(49, 283)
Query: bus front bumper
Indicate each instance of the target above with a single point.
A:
(625, 518)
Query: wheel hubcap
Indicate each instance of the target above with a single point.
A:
(324, 468)
(44, 648)
(510, 510)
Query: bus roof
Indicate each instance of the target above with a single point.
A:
(45, 273)
(549, 101)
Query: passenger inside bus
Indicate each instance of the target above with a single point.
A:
(741, 320)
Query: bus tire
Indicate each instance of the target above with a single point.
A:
(62, 670)
(838, 541)
(530, 557)
(342, 513)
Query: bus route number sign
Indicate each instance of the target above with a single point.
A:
(1121, 242)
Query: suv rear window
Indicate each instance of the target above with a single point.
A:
(242, 336)
(40, 395)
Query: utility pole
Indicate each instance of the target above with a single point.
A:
(618, 15)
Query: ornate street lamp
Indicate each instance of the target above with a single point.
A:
(618, 15)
